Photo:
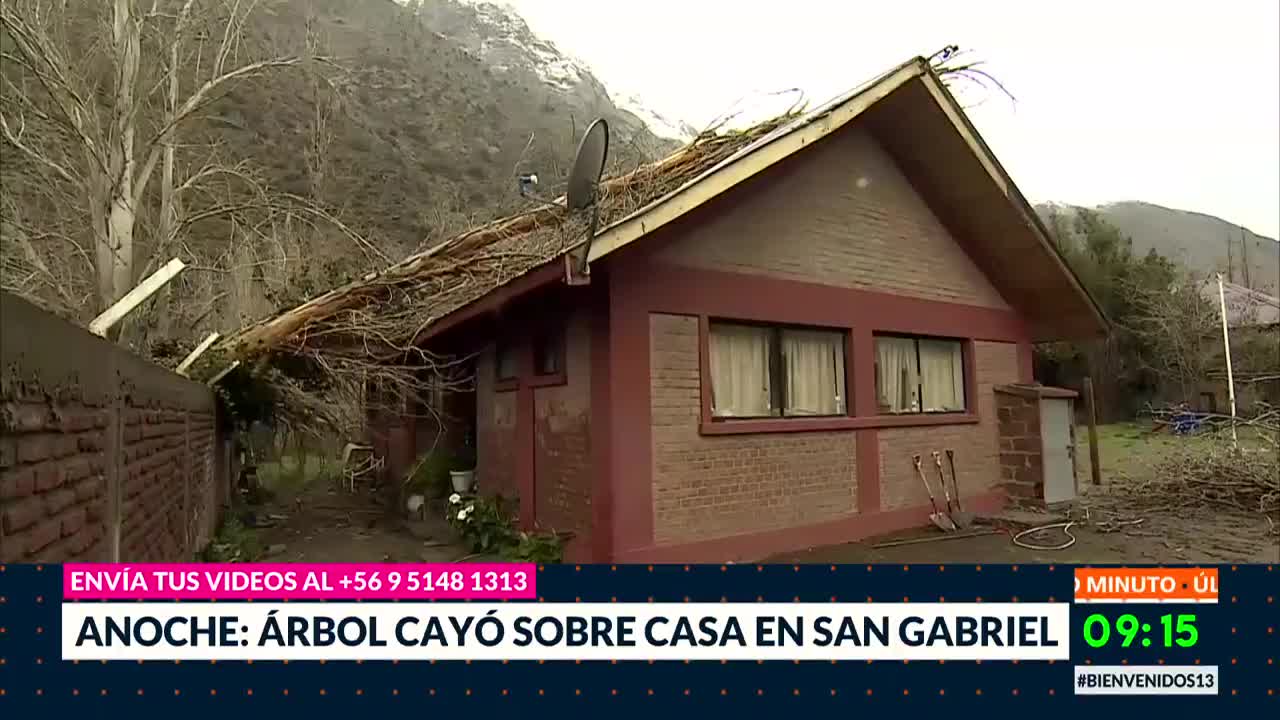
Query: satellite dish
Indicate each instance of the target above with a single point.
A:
(588, 165)
(584, 179)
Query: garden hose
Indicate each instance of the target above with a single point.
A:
(1066, 530)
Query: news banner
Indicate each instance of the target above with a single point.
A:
(793, 636)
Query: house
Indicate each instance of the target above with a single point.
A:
(763, 340)
(1253, 320)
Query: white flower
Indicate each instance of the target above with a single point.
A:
(454, 499)
(471, 508)
(462, 514)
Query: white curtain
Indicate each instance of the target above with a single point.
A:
(740, 371)
(941, 375)
(814, 362)
(896, 380)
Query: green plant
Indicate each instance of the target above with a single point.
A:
(233, 543)
(487, 525)
(431, 474)
(535, 548)
(482, 522)
(464, 458)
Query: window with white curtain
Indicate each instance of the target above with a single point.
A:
(769, 371)
(919, 375)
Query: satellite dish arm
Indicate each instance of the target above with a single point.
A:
(591, 235)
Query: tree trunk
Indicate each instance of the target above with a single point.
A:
(115, 250)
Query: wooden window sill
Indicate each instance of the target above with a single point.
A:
(547, 380)
(780, 425)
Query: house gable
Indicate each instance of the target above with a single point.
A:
(841, 214)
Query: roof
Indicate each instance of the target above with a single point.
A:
(1245, 307)
(909, 110)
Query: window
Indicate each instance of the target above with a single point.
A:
(548, 352)
(504, 363)
(763, 371)
(919, 375)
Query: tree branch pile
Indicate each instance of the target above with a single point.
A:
(1208, 472)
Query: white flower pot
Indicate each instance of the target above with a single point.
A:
(462, 480)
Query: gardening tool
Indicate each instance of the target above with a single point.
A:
(963, 519)
(941, 519)
(942, 480)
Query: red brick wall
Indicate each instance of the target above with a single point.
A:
(975, 445)
(709, 487)
(1021, 447)
(845, 216)
(52, 481)
(99, 448)
(495, 432)
(562, 440)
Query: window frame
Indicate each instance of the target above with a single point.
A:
(511, 349)
(554, 336)
(966, 407)
(777, 370)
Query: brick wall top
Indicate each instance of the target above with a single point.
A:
(44, 356)
(1035, 391)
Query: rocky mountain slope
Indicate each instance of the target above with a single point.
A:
(1198, 240)
(441, 104)
(407, 121)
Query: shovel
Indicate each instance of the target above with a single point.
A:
(942, 480)
(941, 519)
(962, 518)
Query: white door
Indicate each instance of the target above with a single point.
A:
(1055, 434)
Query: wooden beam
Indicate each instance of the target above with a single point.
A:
(217, 378)
(194, 354)
(1095, 462)
(135, 297)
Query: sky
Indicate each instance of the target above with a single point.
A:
(1175, 103)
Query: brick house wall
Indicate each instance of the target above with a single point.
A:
(562, 439)
(549, 466)
(842, 214)
(495, 431)
(976, 446)
(835, 237)
(102, 455)
(707, 487)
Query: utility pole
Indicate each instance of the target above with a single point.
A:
(1230, 274)
(1244, 251)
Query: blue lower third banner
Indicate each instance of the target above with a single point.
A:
(1000, 637)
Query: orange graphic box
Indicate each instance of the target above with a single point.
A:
(1146, 585)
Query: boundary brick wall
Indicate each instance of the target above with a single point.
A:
(104, 456)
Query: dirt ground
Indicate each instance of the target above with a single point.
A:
(313, 521)
(317, 523)
(1155, 541)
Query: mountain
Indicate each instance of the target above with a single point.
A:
(1200, 241)
(406, 121)
(442, 104)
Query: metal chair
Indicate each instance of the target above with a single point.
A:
(358, 462)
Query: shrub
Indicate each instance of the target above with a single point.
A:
(431, 476)
(234, 543)
(487, 525)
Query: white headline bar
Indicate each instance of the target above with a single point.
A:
(565, 631)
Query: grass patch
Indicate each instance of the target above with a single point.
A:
(1133, 447)
(292, 473)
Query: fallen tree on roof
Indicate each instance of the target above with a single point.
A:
(371, 331)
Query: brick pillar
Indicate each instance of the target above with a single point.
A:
(1021, 449)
